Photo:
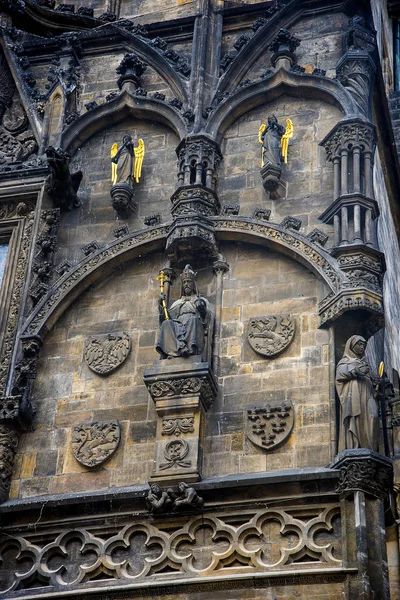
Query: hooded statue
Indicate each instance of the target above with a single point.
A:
(359, 423)
(184, 333)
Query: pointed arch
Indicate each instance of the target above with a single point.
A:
(115, 111)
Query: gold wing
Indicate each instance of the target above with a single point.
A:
(139, 155)
(285, 139)
(263, 127)
(114, 150)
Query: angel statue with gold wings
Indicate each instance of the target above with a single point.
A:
(127, 161)
(274, 139)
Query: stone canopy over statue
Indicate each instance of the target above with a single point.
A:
(186, 326)
(359, 422)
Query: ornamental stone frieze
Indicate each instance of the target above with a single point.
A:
(365, 471)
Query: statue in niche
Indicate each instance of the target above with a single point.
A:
(186, 326)
(274, 139)
(126, 168)
(127, 161)
(359, 423)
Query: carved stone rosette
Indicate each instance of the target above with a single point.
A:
(182, 392)
(364, 470)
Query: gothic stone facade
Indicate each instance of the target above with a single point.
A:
(292, 260)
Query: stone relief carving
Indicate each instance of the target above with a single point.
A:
(270, 335)
(270, 425)
(9, 439)
(44, 259)
(93, 443)
(13, 313)
(365, 471)
(177, 425)
(161, 501)
(247, 534)
(103, 353)
(175, 452)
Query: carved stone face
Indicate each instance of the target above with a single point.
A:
(359, 348)
(188, 287)
(181, 487)
(155, 488)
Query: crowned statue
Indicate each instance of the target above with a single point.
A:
(359, 422)
(186, 326)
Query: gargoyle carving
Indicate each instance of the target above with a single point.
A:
(62, 185)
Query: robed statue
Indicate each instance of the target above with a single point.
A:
(127, 161)
(359, 422)
(186, 326)
(274, 139)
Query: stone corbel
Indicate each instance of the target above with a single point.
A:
(363, 470)
(182, 391)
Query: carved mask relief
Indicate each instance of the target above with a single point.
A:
(272, 334)
(105, 352)
(269, 425)
(94, 443)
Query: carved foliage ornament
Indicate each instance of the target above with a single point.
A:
(270, 425)
(94, 443)
(103, 353)
(271, 334)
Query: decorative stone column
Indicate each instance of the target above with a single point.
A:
(195, 199)
(365, 481)
(350, 146)
(182, 390)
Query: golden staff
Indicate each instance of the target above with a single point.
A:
(162, 278)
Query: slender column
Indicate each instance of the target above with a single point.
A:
(368, 174)
(199, 169)
(356, 169)
(336, 231)
(336, 177)
(368, 228)
(181, 178)
(344, 168)
(219, 267)
(209, 177)
(345, 225)
(186, 171)
(357, 224)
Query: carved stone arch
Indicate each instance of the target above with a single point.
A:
(285, 17)
(157, 61)
(115, 111)
(99, 264)
(266, 90)
(289, 242)
(106, 259)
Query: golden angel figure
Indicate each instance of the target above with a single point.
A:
(127, 161)
(285, 139)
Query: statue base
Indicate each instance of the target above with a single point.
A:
(122, 199)
(271, 180)
(182, 390)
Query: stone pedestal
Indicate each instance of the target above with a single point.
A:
(122, 199)
(182, 390)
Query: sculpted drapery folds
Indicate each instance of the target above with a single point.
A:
(359, 424)
(270, 138)
(184, 333)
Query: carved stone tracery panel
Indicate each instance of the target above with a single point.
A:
(267, 540)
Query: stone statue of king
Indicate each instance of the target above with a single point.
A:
(186, 327)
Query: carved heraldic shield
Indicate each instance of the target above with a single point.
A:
(272, 334)
(104, 353)
(269, 425)
(94, 443)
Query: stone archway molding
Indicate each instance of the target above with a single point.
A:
(103, 261)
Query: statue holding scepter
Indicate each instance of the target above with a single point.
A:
(185, 326)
